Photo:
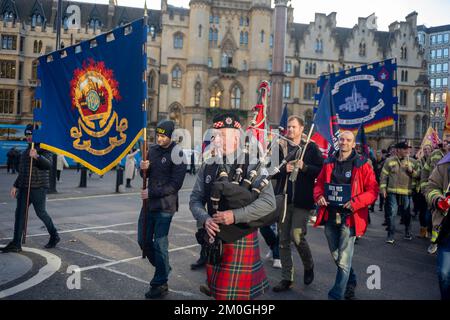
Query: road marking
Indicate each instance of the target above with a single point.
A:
(112, 263)
(106, 196)
(53, 265)
(95, 228)
(183, 293)
(85, 253)
(80, 229)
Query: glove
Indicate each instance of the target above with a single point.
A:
(443, 204)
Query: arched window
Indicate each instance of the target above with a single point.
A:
(178, 40)
(246, 38)
(241, 38)
(95, 24)
(152, 31)
(40, 46)
(314, 70)
(425, 124)
(215, 96)
(319, 46)
(419, 100)
(151, 81)
(66, 23)
(34, 67)
(417, 126)
(262, 36)
(35, 47)
(271, 41)
(307, 68)
(200, 31)
(236, 98)
(362, 49)
(308, 118)
(404, 52)
(176, 77)
(197, 94)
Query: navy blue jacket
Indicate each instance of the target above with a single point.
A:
(165, 177)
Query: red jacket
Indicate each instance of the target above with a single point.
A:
(364, 192)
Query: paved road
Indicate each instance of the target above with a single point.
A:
(98, 229)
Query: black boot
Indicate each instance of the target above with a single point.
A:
(157, 291)
(350, 292)
(308, 276)
(53, 241)
(284, 285)
(11, 247)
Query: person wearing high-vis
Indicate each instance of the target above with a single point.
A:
(429, 165)
(396, 185)
(438, 197)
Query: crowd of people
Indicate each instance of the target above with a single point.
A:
(338, 191)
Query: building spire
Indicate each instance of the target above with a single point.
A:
(145, 9)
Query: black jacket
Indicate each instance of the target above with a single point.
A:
(165, 177)
(40, 175)
(303, 195)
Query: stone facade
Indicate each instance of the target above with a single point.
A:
(214, 55)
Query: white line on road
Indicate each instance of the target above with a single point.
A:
(183, 293)
(80, 229)
(108, 264)
(104, 196)
(85, 253)
(53, 265)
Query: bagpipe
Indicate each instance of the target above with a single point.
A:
(233, 190)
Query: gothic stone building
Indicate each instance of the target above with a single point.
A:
(213, 56)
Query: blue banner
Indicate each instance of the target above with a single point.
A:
(363, 95)
(92, 97)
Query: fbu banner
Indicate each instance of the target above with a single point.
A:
(363, 95)
(92, 96)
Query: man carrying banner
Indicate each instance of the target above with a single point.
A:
(345, 189)
(239, 275)
(437, 193)
(396, 185)
(293, 227)
(165, 178)
(40, 182)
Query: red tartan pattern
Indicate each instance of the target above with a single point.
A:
(241, 275)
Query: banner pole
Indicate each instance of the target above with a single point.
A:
(144, 148)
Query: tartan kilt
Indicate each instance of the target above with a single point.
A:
(240, 275)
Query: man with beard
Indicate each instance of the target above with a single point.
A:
(345, 189)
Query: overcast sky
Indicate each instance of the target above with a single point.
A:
(431, 12)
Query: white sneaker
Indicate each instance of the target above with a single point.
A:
(268, 255)
(432, 248)
(277, 264)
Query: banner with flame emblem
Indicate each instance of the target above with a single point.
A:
(92, 96)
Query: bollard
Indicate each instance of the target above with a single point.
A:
(119, 177)
(83, 177)
(52, 188)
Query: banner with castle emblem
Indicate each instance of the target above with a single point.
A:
(92, 96)
(363, 95)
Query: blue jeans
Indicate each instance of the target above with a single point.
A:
(341, 241)
(37, 198)
(271, 239)
(401, 204)
(156, 245)
(443, 268)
